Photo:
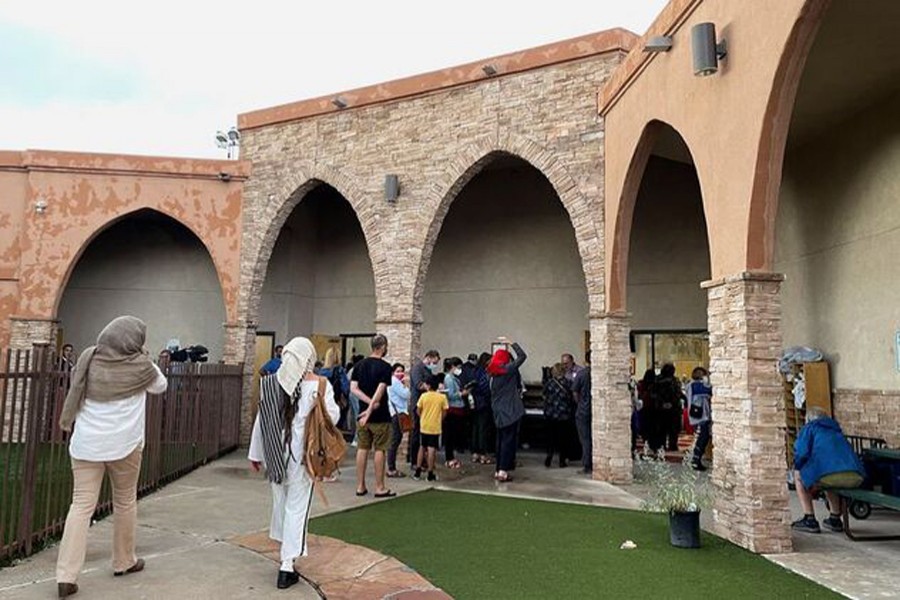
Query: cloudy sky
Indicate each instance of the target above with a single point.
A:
(161, 77)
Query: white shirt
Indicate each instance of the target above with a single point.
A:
(305, 405)
(107, 431)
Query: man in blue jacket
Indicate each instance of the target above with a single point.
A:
(823, 459)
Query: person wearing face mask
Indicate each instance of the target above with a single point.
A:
(699, 394)
(418, 376)
(455, 421)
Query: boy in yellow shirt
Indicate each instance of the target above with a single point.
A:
(432, 407)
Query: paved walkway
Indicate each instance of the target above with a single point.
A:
(204, 537)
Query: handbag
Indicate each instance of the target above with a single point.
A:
(405, 422)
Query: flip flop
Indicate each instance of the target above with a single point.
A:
(362, 493)
(387, 494)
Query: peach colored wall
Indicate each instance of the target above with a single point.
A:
(722, 119)
(13, 185)
(84, 194)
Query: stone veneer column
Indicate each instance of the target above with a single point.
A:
(749, 463)
(26, 333)
(611, 401)
(240, 347)
(404, 339)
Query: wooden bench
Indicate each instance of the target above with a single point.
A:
(873, 498)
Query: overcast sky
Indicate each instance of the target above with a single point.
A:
(161, 77)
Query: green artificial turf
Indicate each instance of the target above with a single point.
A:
(476, 546)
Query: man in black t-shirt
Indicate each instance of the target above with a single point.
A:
(370, 381)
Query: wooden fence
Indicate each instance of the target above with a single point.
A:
(195, 420)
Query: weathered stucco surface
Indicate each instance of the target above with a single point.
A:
(85, 193)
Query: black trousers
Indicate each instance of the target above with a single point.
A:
(672, 423)
(507, 444)
(704, 435)
(482, 430)
(396, 438)
(454, 435)
(583, 423)
(557, 439)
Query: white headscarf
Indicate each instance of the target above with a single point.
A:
(298, 357)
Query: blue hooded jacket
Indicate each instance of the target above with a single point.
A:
(821, 449)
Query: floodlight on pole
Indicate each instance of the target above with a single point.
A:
(229, 141)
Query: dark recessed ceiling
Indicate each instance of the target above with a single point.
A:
(854, 62)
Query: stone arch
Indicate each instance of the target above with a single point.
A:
(109, 223)
(773, 139)
(274, 213)
(471, 161)
(623, 219)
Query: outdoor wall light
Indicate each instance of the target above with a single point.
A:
(707, 53)
(660, 43)
(489, 70)
(40, 206)
(391, 188)
(339, 102)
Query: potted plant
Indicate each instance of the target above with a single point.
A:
(681, 493)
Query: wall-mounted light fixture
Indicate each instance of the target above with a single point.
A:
(707, 53)
(224, 176)
(489, 70)
(660, 43)
(339, 102)
(40, 206)
(391, 188)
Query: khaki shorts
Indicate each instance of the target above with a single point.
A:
(374, 435)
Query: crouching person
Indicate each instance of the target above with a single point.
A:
(277, 443)
(823, 459)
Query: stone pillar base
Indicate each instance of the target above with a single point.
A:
(749, 466)
(610, 399)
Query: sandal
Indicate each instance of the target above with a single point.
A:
(396, 474)
(486, 460)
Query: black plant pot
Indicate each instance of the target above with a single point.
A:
(684, 529)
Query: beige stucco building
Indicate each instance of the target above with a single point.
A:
(585, 190)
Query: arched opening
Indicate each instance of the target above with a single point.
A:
(151, 266)
(319, 280)
(837, 230)
(506, 262)
(668, 258)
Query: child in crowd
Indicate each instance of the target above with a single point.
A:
(432, 408)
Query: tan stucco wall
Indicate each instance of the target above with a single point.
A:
(720, 117)
(506, 263)
(13, 190)
(669, 250)
(838, 243)
(153, 268)
(85, 193)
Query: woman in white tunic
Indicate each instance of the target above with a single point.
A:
(286, 399)
(106, 405)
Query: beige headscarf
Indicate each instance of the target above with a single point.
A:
(116, 368)
(298, 357)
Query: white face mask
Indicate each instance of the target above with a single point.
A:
(457, 372)
(705, 381)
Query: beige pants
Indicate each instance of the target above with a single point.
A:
(123, 474)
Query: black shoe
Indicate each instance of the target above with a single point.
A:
(137, 567)
(286, 579)
(418, 474)
(432, 476)
(834, 523)
(66, 589)
(698, 466)
(808, 524)
(548, 461)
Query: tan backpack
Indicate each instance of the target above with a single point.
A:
(324, 443)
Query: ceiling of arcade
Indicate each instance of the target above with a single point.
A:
(854, 62)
